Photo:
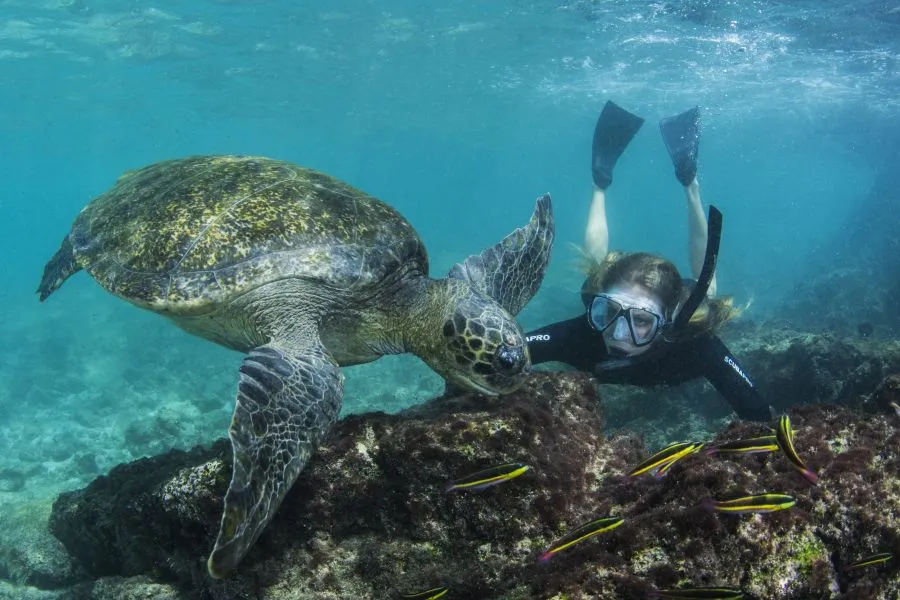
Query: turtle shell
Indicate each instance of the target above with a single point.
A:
(182, 235)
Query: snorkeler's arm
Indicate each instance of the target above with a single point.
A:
(726, 375)
(571, 342)
(697, 233)
(596, 233)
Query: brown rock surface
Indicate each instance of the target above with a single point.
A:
(369, 515)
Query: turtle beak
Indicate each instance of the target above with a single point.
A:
(475, 386)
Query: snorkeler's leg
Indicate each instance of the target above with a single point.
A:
(614, 130)
(697, 233)
(681, 135)
(596, 234)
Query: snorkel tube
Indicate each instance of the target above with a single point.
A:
(690, 306)
(713, 240)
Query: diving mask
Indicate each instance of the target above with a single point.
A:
(641, 323)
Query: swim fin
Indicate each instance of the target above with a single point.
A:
(614, 130)
(681, 135)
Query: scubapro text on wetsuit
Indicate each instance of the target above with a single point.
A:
(730, 362)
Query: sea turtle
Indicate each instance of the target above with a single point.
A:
(304, 273)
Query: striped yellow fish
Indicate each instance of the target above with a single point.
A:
(488, 477)
(700, 593)
(581, 533)
(432, 594)
(870, 561)
(784, 436)
(754, 445)
(664, 457)
(760, 503)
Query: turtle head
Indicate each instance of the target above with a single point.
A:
(481, 346)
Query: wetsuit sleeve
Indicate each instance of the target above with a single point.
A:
(726, 375)
(571, 342)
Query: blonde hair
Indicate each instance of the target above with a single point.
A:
(662, 279)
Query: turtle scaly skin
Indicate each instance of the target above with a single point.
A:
(304, 274)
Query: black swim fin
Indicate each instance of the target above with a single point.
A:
(681, 135)
(614, 130)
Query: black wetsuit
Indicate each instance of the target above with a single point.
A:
(574, 342)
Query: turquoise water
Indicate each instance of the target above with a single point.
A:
(459, 114)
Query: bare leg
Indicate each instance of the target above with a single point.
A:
(596, 234)
(697, 232)
(613, 132)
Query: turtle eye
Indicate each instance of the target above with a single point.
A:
(509, 360)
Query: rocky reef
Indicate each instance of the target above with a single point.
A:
(370, 518)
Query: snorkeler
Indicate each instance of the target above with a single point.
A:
(644, 325)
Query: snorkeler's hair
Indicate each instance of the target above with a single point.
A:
(662, 279)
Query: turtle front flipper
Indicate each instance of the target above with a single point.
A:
(288, 399)
(512, 271)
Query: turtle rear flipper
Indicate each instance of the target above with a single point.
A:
(512, 271)
(62, 266)
(288, 399)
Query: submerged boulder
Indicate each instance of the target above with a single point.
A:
(370, 516)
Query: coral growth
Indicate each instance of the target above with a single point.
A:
(369, 516)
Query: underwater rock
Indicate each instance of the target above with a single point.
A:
(38, 559)
(12, 480)
(30, 555)
(145, 515)
(10, 591)
(370, 516)
(792, 367)
(121, 588)
(887, 395)
(859, 300)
